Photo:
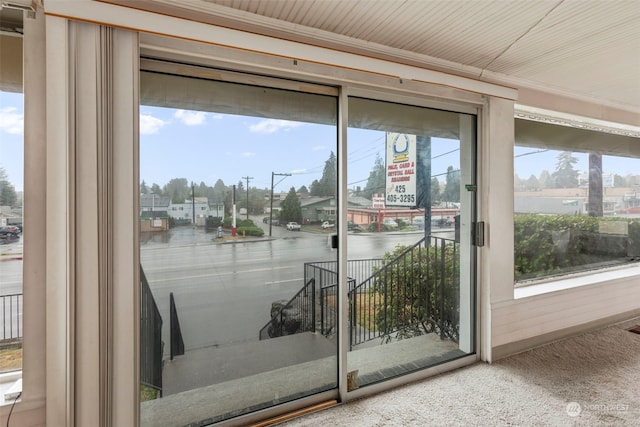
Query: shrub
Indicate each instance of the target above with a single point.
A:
(250, 231)
(416, 295)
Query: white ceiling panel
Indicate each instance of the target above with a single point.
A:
(586, 48)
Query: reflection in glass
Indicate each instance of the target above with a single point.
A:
(575, 210)
(409, 250)
(230, 310)
(11, 242)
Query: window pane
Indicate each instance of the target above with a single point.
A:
(410, 261)
(576, 209)
(11, 196)
(236, 182)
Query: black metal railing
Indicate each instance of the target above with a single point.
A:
(295, 316)
(411, 292)
(11, 307)
(416, 291)
(151, 345)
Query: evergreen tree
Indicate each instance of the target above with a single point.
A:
(532, 184)
(435, 190)
(376, 180)
(452, 186)
(565, 176)
(178, 189)
(329, 182)
(144, 189)
(291, 210)
(155, 189)
(545, 179)
(8, 196)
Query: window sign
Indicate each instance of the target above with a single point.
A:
(401, 169)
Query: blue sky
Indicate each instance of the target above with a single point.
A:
(203, 146)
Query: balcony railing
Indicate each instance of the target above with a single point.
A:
(410, 292)
(11, 312)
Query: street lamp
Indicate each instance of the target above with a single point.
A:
(284, 175)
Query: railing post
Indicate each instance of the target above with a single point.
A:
(442, 282)
(313, 305)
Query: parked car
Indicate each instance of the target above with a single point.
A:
(352, 226)
(293, 226)
(327, 224)
(9, 234)
(390, 222)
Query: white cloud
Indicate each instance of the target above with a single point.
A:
(273, 125)
(298, 171)
(150, 124)
(11, 121)
(319, 148)
(190, 118)
(248, 154)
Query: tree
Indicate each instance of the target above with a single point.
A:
(619, 181)
(435, 190)
(518, 185)
(303, 191)
(545, 179)
(565, 176)
(178, 189)
(8, 196)
(315, 188)
(452, 186)
(155, 189)
(532, 184)
(328, 184)
(144, 189)
(290, 207)
(376, 180)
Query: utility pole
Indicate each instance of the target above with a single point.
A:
(247, 178)
(284, 175)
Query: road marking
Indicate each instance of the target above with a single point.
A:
(284, 281)
(151, 280)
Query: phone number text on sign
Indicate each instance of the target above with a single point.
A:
(401, 169)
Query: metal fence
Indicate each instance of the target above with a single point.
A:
(151, 345)
(295, 316)
(413, 292)
(11, 307)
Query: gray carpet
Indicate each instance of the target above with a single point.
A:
(587, 380)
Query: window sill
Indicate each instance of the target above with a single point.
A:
(620, 273)
(10, 387)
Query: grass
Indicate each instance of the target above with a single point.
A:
(368, 304)
(10, 358)
(147, 393)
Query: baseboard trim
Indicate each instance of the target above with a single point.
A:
(512, 348)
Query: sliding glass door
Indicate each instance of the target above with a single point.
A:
(410, 252)
(237, 203)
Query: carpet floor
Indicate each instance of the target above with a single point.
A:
(587, 380)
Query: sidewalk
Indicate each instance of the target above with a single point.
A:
(11, 251)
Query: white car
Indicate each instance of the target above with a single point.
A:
(293, 226)
(327, 224)
(390, 222)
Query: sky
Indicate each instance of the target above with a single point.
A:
(205, 147)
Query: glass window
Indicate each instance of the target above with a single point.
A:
(411, 281)
(576, 202)
(229, 317)
(11, 242)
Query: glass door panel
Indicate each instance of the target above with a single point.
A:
(410, 256)
(237, 203)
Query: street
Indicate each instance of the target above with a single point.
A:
(223, 290)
